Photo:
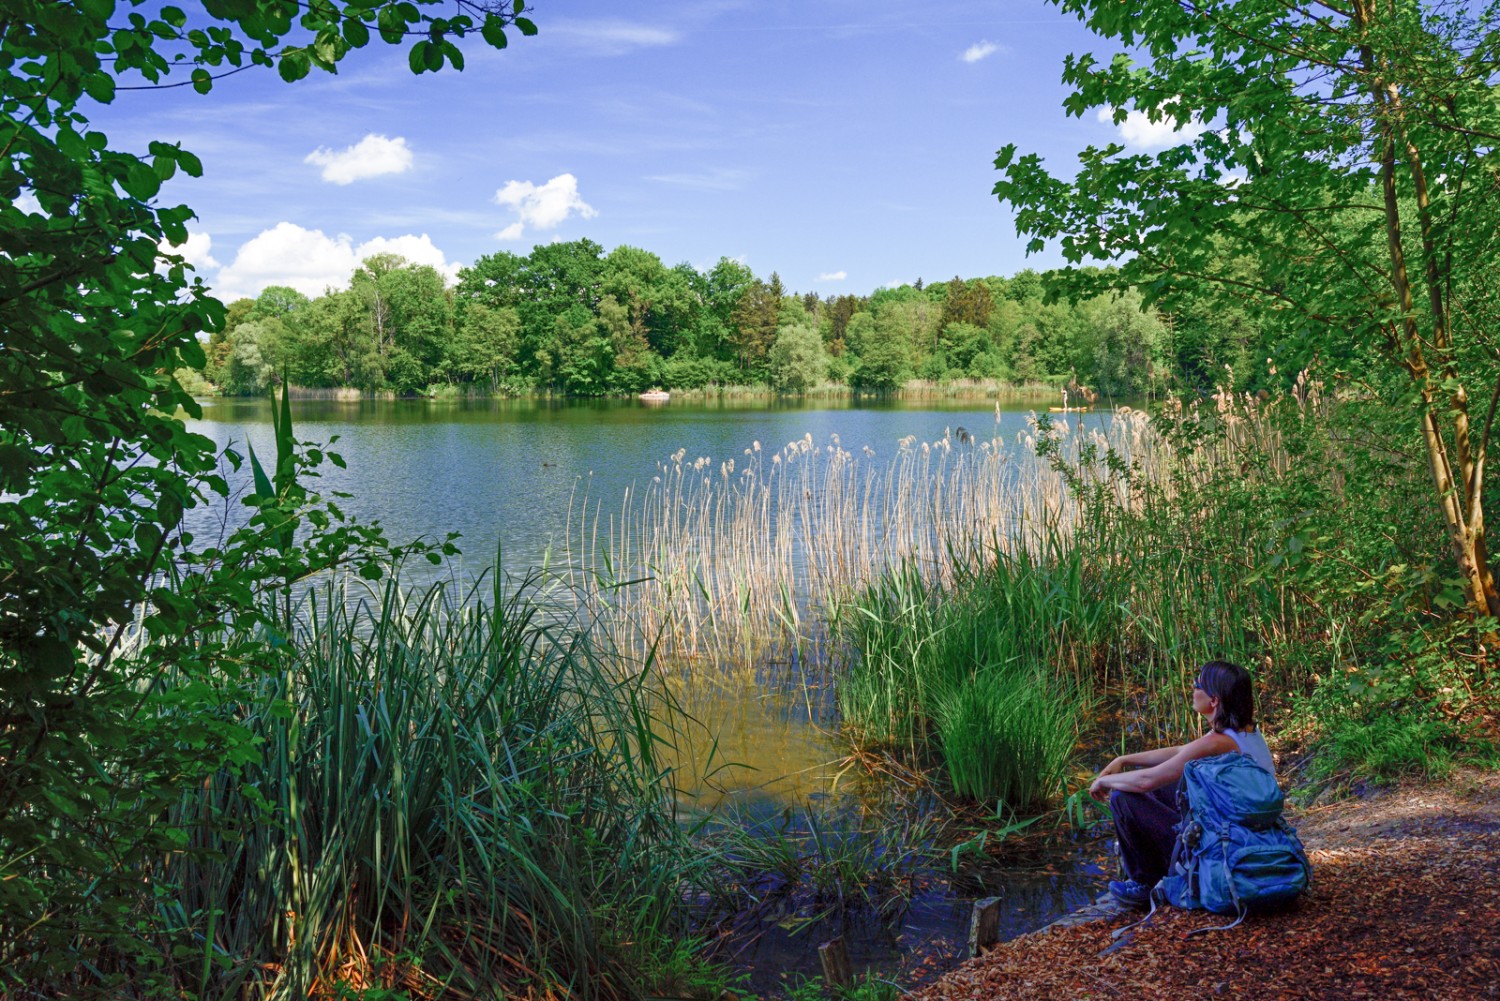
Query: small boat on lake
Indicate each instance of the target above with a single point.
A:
(655, 396)
(1070, 410)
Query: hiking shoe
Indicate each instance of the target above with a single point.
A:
(1130, 893)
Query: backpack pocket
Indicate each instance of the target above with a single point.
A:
(1267, 871)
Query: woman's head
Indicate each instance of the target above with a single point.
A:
(1224, 693)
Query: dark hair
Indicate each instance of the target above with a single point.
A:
(1231, 685)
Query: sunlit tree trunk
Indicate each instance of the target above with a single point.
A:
(1457, 469)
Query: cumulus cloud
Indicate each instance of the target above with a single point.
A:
(196, 251)
(1139, 132)
(979, 50)
(372, 156)
(544, 207)
(833, 276)
(310, 261)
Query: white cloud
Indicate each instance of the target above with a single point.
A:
(417, 249)
(310, 261)
(718, 179)
(611, 37)
(833, 276)
(27, 203)
(196, 251)
(372, 156)
(545, 207)
(979, 50)
(1139, 132)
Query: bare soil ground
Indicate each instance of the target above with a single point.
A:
(1405, 903)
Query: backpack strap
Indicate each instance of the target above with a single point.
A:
(1240, 909)
(1157, 894)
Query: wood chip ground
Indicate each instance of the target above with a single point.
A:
(1405, 904)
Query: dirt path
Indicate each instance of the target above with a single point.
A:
(1405, 904)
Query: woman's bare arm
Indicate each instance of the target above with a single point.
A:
(1164, 771)
(1140, 759)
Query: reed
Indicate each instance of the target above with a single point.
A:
(1113, 559)
(729, 562)
(452, 798)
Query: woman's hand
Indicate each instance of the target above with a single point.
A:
(1098, 789)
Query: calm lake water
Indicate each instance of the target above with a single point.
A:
(505, 473)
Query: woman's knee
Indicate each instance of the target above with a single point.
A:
(1121, 801)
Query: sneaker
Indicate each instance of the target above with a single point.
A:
(1130, 893)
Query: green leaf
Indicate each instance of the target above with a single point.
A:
(190, 164)
(294, 65)
(203, 80)
(416, 59)
(493, 31)
(263, 489)
(355, 33)
(527, 27)
(99, 86)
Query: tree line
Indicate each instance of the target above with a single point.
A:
(572, 320)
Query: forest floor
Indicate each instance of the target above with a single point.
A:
(1405, 903)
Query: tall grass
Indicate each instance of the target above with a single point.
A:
(989, 671)
(451, 798)
(730, 560)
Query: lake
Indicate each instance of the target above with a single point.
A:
(511, 478)
(502, 473)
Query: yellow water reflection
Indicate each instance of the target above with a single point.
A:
(745, 746)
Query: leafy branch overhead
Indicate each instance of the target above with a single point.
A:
(96, 469)
(1348, 149)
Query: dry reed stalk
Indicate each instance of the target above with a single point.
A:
(731, 561)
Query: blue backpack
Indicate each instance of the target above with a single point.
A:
(1235, 853)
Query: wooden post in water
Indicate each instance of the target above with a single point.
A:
(838, 971)
(984, 926)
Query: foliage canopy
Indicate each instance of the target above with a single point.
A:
(1348, 147)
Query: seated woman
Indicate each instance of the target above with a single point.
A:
(1144, 800)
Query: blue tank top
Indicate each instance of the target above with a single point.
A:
(1254, 744)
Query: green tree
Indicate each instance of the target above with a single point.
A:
(557, 277)
(1118, 344)
(797, 361)
(486, 344)
(278, 301)
(1350, 148)
(254, 361)
(883, 352)
(96, 471)
(757, 312)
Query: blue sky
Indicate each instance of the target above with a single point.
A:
(842, 143)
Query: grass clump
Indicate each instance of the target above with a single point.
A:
(971, 674)
(1007, 736)
(450, 799)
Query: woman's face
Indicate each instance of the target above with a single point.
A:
(1203, 704)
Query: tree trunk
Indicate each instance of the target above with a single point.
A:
(1460, 497)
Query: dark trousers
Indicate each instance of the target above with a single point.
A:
(1143, 823)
